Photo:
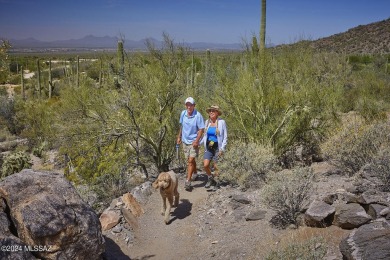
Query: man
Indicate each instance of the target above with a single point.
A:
(190, 133)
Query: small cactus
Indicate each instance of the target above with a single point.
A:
(15, 162)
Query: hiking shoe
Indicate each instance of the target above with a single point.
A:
(194, 177)
(187, 185)
(210, 182)
(216, 186)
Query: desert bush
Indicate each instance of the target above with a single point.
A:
(381, 169)
(8, 114)
(246, 165)
(39, 149)
(15, 162)
(355, 143)
(3, 91)
(285, 192)
(14, 79)
(313, 248)
(110, 186)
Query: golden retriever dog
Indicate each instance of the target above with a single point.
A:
(167, 182)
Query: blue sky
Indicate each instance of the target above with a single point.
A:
(218, 21)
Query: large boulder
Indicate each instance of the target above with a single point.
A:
(319, 214)
(370, 241)
(49, 217)
(349, 216)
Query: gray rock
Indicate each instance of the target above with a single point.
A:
(373, 196)
(12, 248)
(46, 210)
(241, 199)
(374, 210)
(319, 214)
(368, 242)
(349, 216)
(257, 214)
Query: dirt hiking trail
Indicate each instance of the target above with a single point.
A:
(212, 225)
(203, 226)
(156, 240)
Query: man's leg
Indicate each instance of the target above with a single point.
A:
(191, 166)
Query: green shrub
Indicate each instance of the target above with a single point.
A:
(110, 186)
(14, 79)
(39, 149)
(15, 162)
(3, 91)
(285, 192)
(355, 143)
(8, 114)
(247, 164)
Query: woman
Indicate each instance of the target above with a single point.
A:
(214, 140)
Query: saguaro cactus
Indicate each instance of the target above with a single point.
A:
(262, 38)
(121, 60)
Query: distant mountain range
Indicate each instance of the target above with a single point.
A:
(367, 39)
(107, 42)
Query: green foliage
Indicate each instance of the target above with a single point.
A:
(363, 59)
(355, 143)
(37, 119)
(4, 61)
(286, 192)
(110, 186)
(313, 248)
(39, 149)
(246, 165)
(109, 129)
(3, 91)
(8, 114)
(15, 162)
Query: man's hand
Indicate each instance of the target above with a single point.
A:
(178, 140)
(195, 143)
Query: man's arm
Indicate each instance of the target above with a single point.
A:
(178, 139)
(198, 137)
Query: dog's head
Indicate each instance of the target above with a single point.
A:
(163, 181)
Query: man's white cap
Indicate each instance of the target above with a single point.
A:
(190, 100)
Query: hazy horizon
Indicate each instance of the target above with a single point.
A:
(213, 21)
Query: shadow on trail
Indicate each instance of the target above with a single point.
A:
(182, 211)
(113, 251)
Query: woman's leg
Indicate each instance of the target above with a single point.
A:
(206, 166)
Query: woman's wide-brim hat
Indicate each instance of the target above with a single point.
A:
(214, 107)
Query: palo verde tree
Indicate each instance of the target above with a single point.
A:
(115, 130)
(4, 62)
(150, 100)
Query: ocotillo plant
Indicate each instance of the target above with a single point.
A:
(22, 81)
(39, 78)
(50, 80)
(121, 60)
(101, 73)
(78, 72)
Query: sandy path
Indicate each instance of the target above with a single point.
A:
(156, 240)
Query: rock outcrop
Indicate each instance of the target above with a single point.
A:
(43, 214)
(369, 242)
